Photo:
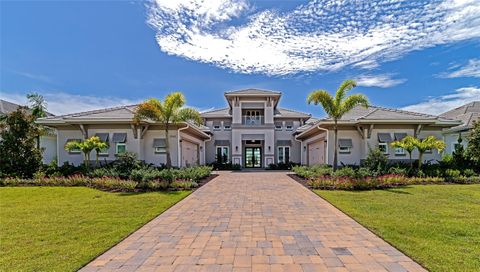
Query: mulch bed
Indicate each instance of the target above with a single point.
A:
(205, 181)
(300, 180)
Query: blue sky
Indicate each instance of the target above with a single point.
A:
(417, 55)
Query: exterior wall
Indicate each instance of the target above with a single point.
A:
(196, 141)
(361, 147)
(221, 134)
(284, 134)
(452, 138)
(322, 136)
(63, 134)
(49, 145)
(131, 143)
(149, 152)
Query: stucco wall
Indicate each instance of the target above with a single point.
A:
(49, 146)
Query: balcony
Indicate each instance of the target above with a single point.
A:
(257, 120)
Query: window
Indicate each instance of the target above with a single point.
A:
(399, 151)
(383, 147)
(345, 146)
(289, 126)
(159, 149)
(103, 152)
(283, 155)
(160, 145)
(121, 148)
(216, 127)
(227, 127)
(222, 154)
(74, 151)
(344, 149)
(278, 126)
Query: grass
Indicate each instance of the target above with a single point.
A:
(61, 229)
(437, 225)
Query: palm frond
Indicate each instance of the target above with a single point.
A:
(188, 114)
(325, 99)
(151, 109)
(346, 86)
(351, 101)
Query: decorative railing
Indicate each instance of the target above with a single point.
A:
(253, 120)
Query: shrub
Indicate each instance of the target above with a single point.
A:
(183, 185)
(312, 171)
(103, 172)
(469, 173)
(397, 170)
(345, 172)
(452, 173)
(376, 161)
(281, 166)
(226, 166)
(145, 174)
(364, 172)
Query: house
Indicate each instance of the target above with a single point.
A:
(467, 114)
(362, 129)
(252, 131)
(116, 126)
(48, 141)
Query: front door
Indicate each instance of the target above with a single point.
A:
(253, 157)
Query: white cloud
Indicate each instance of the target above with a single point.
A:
(63, 103)
(471, 69)
(322, 35)
(381, 81)
(34, 76)
(440, 104)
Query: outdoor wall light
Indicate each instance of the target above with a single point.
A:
(304, 148)
(236, 148)
(269, 148)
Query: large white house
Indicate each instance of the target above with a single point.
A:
(468, 114)
(252, 131)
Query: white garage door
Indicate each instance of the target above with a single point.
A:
(316, 153)
(189, 154)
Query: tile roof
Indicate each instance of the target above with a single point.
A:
(467, 113)
(254, 92)
(282, 112)
(8, 107)
(381, 113)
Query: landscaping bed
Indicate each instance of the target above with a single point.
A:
(348, 178)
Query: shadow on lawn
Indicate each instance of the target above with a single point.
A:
(144, 192)
(398, 190)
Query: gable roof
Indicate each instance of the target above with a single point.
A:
(467, 114)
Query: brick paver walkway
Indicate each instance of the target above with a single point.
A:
(253, 221)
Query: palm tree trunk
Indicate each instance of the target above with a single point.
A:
(167, 147)
(335, 147)
(420, 159)
(96, 159)
(411, 162)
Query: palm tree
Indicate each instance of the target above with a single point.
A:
(408, 144)
(428, 143)
(169, 112)
(87, 146)
(337, 106)
(38, 106)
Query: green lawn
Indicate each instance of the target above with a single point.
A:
(63, 228)
(437, 225)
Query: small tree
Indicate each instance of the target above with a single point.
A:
(18, 153)
(408, 144)
(428, 143)
(87, 146)
(38, 107)
(376, 161)
(337, 106)
(473, 147)
(169, 112)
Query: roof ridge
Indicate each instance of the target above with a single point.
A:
(375, 109)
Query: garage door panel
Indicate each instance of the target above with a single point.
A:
(189, 154)
(316, 153)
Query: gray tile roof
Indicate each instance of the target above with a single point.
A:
(8, 107)
(125, 112)
(467, 113)
(381, 113)
(282, 112)
(253, 91)
(225, 112)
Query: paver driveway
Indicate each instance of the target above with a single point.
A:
(253, 221)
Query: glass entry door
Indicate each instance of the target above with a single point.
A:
(253, 157)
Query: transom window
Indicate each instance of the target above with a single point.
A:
(222, 154)
(283, 155)
(383, 147)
